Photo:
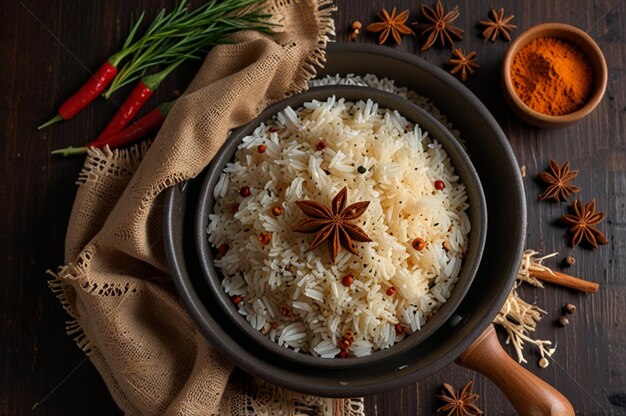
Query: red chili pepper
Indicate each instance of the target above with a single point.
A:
(135, 101)
(86, 94)
(143, 126)
(98, 81)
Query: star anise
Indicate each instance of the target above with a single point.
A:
(333, 224)
(583, 222)
(463, 63)
(498, 25)
(440, 25)
(391, 24)
(459, 404)
(559, 180)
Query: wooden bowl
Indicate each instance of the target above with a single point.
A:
(568, 34)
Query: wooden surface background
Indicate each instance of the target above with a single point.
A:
(38, 72)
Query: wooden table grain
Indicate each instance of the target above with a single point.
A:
(48, 46)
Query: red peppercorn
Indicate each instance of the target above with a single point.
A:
(285, 311)
(273, 129)
(391, 291)
(244, 191)
(343, 353)
(223, 249)
(261, 148)
(349, 336)
(277, 210)
(343, 343)
(347, 280)
(236, 299)
(440, 185)
(265, 238)
(234, 207)
(399, 329)
(321, 145)
(274, 325)
(419, 244)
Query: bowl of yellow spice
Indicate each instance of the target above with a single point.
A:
(554, 75)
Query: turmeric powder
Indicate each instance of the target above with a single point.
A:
(552, 76)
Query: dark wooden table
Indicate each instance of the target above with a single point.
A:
(37, 190)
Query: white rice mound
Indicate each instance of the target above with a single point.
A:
(402, 164)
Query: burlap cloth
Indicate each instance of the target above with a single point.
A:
(116, 287)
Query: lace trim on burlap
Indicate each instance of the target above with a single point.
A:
(318, 56)
(118, 162)
(259, 398)
(98, 163)
(66, 294)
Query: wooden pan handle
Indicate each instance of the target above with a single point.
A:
(528, 394)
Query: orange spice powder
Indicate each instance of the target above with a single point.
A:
(552, 76)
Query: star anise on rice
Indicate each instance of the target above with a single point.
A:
(559, 180)
(461, 403)
(333, 224)
(439, 25)
(583, 221)
(498, 25)
(391, 24)
(463, 63)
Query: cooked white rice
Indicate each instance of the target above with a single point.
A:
(402, 163)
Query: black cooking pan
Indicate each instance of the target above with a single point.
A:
(499, 174)
(477, 213)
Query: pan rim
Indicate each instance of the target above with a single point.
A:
(397, 379)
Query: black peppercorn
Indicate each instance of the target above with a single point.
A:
(361, 169)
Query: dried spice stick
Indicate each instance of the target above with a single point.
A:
(566, 280)
(534, 272)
